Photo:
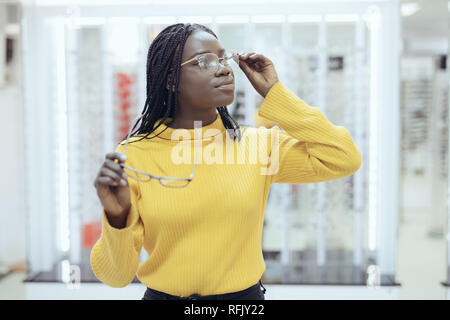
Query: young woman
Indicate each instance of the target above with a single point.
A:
(201, 221)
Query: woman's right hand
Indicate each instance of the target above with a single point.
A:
(112, 187)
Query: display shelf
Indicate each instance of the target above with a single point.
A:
(330, 65)
(338, 270)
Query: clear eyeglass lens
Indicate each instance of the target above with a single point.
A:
(210, 62)
(136, 175)
(174, 183)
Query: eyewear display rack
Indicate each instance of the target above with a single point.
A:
(84, 82)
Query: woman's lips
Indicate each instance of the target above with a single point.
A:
(226, 86)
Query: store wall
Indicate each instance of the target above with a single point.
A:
(12, 207)
(2, 43)
(423, 178)
(12, 211)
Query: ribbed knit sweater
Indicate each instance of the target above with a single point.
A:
(206, 238)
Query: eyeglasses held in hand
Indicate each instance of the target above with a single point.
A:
(169, 182)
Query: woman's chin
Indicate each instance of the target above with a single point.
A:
(225, 102)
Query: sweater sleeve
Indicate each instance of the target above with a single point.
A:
(115, 255)
(308, 148)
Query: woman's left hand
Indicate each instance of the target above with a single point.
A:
(260, 71)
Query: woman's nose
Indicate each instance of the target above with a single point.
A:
(225, 70)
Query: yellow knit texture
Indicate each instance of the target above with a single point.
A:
(206, 238)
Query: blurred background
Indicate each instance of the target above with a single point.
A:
(72, 77)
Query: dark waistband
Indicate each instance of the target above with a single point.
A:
(210, 297)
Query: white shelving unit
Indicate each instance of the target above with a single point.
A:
(72, 105)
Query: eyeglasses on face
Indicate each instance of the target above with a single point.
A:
(210, 62)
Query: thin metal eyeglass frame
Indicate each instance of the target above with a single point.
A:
(227, 57)
(159, 178)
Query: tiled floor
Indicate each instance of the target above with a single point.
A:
(421, 258)
(12, 288)
(421, 262)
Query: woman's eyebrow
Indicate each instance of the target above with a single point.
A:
(221, 51)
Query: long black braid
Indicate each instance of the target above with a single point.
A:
(163, 62)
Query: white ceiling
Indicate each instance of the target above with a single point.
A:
(431, 19)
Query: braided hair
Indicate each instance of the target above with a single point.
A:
(163, 62)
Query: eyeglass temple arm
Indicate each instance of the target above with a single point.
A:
(195, 163)
(172, 178)
(188, 61)
(129, 132)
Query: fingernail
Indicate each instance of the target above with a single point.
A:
(124, 157)
(123, 183)
(124, 175)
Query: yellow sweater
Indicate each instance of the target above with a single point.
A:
(206, 238)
